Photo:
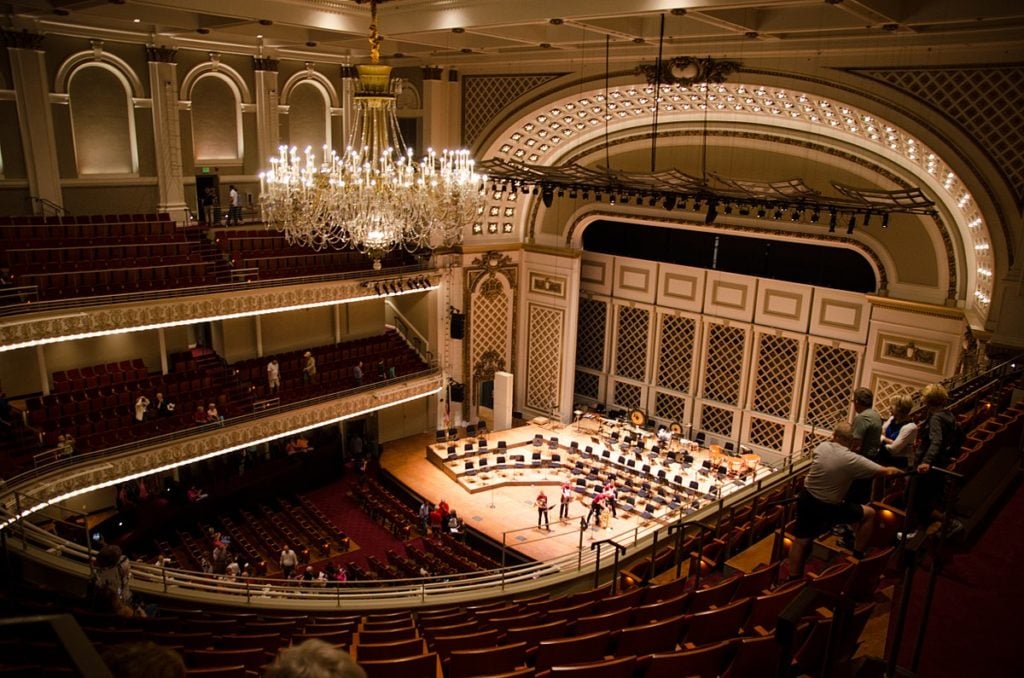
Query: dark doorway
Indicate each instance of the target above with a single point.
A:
(207, 189)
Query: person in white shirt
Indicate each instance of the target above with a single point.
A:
(140, 408)
(235, 206)
(899, 432)
(273, 375)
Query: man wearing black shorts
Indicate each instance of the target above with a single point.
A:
(822, 504)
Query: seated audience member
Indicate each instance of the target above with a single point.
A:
(164, 407)
(143, 660)
(212, 414)
(314, 658)
(200, 416)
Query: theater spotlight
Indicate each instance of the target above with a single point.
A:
(885, 220)
(670, 202)
(832, 221)
(797, 214)
(851, 224)
(761, 212)
(777, 214)
(867, 218)
(547, 196)
(815, 216)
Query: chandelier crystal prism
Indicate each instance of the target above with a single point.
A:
(374, 198)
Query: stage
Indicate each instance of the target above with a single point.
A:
(656, 483)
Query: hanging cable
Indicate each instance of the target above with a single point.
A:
(607, 43)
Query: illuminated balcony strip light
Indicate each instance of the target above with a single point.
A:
(209, 455)
(193, 320)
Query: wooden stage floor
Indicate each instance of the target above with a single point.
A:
(506, 512)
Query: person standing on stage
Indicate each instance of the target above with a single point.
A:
(563, 502)
(609, 492)
(596, 506)
(823, 502)
(542, 510)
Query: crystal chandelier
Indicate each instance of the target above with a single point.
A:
(375, 198)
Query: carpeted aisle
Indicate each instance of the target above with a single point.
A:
(974, 626)
(337, 502)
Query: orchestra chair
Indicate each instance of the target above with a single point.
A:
(705, 661)
(487, 661)
(421, 666)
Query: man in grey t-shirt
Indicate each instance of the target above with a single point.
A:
(867, 439)
(822, 502)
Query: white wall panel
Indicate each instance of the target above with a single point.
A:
(635, 280)
(681, 287)
(596, 273)
(730, 296)
(783, 305)
(840, 315)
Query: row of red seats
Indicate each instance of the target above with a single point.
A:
(81, 219)
(70, 257)
(117, 281)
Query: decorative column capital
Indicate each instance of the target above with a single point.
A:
(261, 63)
(21, 39)
(161, 54)
(432, 72)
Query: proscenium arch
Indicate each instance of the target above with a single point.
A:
(555, 126)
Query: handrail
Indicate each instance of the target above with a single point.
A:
(78, 303)
(72, 558)
(58, 210)
(134, 445)
(419, 342)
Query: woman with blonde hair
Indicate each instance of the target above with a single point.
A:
(937, 440)
(899, 432)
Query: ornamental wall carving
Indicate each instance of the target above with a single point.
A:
(166, 312)
(211, 442)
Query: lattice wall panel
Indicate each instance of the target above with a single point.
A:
(811, 439)
(675, 356)
(483, 97)
(544, 351)
(723, 370)
(987, 102)
(767, 433)
(631, 343)
(833, 370)
(717, 420)
(775, 375)
(886, 390)
(587, 385)
(492, 330)
(627, 395)
(590, 333)
(670, 407)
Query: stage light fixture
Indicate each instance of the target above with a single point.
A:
(712, 214)
(670, 202)
(832, 221)
(815, 216)
(777, 214)
(885, 220)
(851, 224)
(761, 212)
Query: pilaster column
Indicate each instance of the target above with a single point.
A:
(163, 85)
(441, 115)
(35, 118)
(349, 77)
(268, 136)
